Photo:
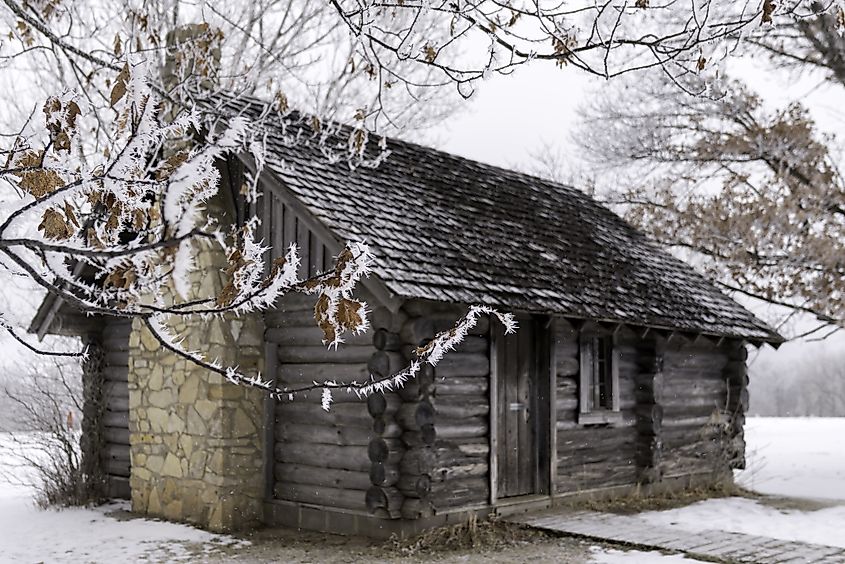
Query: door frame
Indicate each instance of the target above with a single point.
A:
(542, 404)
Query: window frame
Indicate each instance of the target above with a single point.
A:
(590, 379)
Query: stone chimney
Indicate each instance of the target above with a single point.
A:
(196, 440)
(192, 58)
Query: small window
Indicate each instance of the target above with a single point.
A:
(599, 382)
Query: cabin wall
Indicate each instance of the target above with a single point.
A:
(695, 420)
(593, 456)
(319, 457)
(105, 411)
(682, 404)
(431, 453)
(114, 456)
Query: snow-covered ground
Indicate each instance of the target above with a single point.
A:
(102, 534)
(787, 457)
(794, 458)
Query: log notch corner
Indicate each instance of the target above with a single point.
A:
(649, 397)
(403, 422)
(736, 378)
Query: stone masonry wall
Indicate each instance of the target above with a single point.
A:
(196, 439)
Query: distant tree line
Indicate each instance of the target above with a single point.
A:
(799, 388)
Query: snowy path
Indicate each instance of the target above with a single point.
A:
(714, 545)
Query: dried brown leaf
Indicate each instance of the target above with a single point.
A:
(118, 91)
(768, 9)
(349, 314)
(41, 181)
(122, 278)
(54, 225)
(321, 309)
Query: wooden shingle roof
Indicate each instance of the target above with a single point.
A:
(451, 229)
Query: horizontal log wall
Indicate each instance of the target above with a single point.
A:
(461, 473)
(319, 457)
(114, 456)
(593, 456)
(696, 415)
(439, 459)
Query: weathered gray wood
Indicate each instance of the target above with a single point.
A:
(321, 495)
(116, 452)
(116, 435)
(565, 403)
(383, 403)
(311, 337)
(386, 451)
(474, 344)
(415, 415)
(295, 301)
(323, 455)
(420, 387)
(320, 476)
(417, 330)
(383, 318)
(454, 386)
(118, 403)
(527, 379)
(116, 373)
(280, 318)
(387, 427)
(383, 363)
(385, 340)
(466, 469)
(462, 429)
(382, 474)
(426, 436)
(116, 358)
(416, 509)
(387, 499)
(567, 366)
(452, 407)
(312, 413)
(414, 486)
(114, 389)
(457, 364)
(115, 467)
(460, 492)
(319, 354)
(118, 419)
(320, 434)
(337, 372)
(118, 343)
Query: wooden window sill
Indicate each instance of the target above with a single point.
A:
(600, 418)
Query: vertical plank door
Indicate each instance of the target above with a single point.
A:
(516, 380)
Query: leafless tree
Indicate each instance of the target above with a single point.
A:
(755, 195)
(41, 432)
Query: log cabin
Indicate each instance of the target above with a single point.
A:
(628, 371)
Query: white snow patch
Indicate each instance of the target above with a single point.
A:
(792, 457)
(798, 457)
(612, 556)
(101, 534)
(741, 515)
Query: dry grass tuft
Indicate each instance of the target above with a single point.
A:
(471, 534)
(639, 501)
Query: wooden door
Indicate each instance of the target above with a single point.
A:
(517, 410)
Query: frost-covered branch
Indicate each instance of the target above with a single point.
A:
(431, 353)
